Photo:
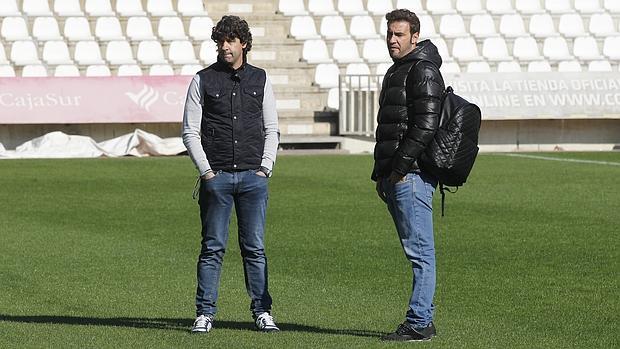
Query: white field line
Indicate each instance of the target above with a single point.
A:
(562, 159)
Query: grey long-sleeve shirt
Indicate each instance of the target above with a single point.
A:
(192, 119)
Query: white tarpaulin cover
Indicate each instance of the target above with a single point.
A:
(60, 145)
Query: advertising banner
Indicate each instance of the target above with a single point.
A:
(66, 100)
(552, 95)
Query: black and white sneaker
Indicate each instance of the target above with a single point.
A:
(407, 333)
(264, 323)
(202, 324)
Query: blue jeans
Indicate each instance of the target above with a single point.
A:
(410, 204)
(247, 191)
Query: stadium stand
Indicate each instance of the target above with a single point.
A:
(305, 45)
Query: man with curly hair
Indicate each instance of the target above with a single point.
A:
(230, 129)
(408, 118)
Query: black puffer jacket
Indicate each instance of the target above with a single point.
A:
(409, 108)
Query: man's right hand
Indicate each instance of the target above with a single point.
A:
(208, 175)
(380, 191)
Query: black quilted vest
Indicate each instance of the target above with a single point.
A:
(232, 116)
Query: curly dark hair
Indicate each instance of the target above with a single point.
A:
(230, 28)
(404, 15)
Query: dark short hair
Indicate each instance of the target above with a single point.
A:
(230, 28)
(404, 15)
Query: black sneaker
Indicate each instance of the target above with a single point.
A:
(407, 333)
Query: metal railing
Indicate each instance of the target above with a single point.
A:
(359, 104)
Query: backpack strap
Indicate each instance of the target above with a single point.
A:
(443, 190)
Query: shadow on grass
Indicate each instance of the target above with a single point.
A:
(174, 324)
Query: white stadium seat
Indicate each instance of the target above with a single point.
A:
(442, 47)
(3, 59)
(129, 70)
(14, 28)
(182, 52)
(160, 8)
(303, 28)
(292, 7)
(77, 28)
(528, 6)
(412, 5)
(351, 7)
(208, 52)
(150, 52)
(539, 67)
(512, 26)
(161, 70)
(613, 6)
(345, 51)
(7, 71)
(36, 8)
(108, 28)
(98, 8)
(119, 52)
(379, 7)
(556, 49)
(68, 8)
(541, 26)
(333, 98)
(588, 6)
(333, 27)
(600, 66)
(382, 68)
(526, 49)
(452, 26)
(469, 7)
(98, 70)
(24, 52)
(478, 67)
(140, 28)
(65, 70)
(354, 69)
(499, 7)
(440, 7)
(602, 25)
(322, 7)
(56, 52)
(315, 51)
(9, 8)
(571, 25)
(87, 52)
(171, 28)
(375, 51)
(34, 71)
(569, 66)
(326, 75)
(558, 6)
(128, 8)
(465, 50)
(427, 27)
(611, 47)
(46, 28)
(495, 49)
(450, 68)
(200, 28)
(482, 26)
(509, 67)
(363, 27)
(586, 49)
(191, 8)
(190, 69)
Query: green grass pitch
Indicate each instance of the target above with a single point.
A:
(101, 253)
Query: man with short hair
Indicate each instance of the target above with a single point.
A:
(408, 118)
(230, 129)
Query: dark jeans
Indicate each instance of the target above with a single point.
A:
(247, 191)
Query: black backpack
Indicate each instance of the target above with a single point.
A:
(451, 154)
